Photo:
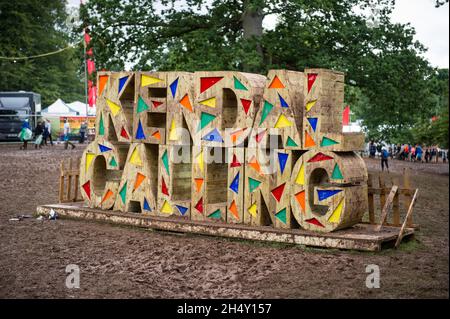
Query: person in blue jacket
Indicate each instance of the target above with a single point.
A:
(384, 159)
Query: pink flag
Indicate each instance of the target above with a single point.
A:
(90, 52)
(90, 66)
(87, 38)
(92, 96)
(346, 116)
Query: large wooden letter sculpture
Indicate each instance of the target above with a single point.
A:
(226, 147)
(226, 104)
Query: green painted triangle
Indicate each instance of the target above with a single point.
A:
(238, 85)
(336, 173)
(281, 215)
(205, 119)
(291, 142)
(101, 129)
(217, 214)
(328, 141)
(165, 160)
(113, 162)
(141, 106)
(123, 193)
(266, 110)
(253, 184)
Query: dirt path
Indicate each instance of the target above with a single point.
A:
(119, 262)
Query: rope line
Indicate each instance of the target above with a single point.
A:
(39, 55)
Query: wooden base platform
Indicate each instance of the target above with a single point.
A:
(360, 237)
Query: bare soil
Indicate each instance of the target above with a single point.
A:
(122, 262)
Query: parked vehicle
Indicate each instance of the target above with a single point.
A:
(15, 107)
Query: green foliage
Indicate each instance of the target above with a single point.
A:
(33, 27)
(383, 64)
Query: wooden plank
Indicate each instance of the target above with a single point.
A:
(61, 182)
(408, 215)
(382, 181)
(396, 206)
(387, 207)
(371, 201)
(360, 237)
(69, 182)
(408, 198)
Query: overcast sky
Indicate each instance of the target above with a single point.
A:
(431, 25)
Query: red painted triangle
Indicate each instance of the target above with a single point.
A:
(87, 188)
(246, 105)
(314, 222)
(206, 83)
(320, 157)
(311, 79)
(156, 104)
(260, 136)
(278, 192)
(199, 205)
(235, 162)
(124, 134)
(164, 189)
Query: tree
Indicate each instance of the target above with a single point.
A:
(33, 27)
(379, 57)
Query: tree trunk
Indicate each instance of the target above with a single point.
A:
(252, 18)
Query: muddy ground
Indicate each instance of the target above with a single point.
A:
(120, 262)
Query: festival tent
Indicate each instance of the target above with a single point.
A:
(59, 108)
(80, 107)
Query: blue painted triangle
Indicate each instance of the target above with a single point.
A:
(140, 132)
(146, 205)
(122, 82)
(103, 148)
(313, 122)
(182, 209)
(173, 87)
(282, 101)
(213, 136)
(282, 159)
(234, 186)
(324, 194)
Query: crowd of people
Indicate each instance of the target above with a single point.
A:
(42, 134)
(407, 152)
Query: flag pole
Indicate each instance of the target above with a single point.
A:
(85, 76)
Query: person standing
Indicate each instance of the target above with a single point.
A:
(427, 155)
(419, 152)
(39, 132)
(372, 149)
(384, 159)
(67, 135)
(432, 154)
(48, 132)
(25, 134)
(83, 129)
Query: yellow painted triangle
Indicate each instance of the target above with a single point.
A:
(282, 122)
(173, 132)
(149, 80)
(300, 179)
(253, 210)
(166, 208)
(200, 161)
(309, 105)
(209, 102)
(89, 158)
(336, 216)
(113, 107)
(135, 158)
